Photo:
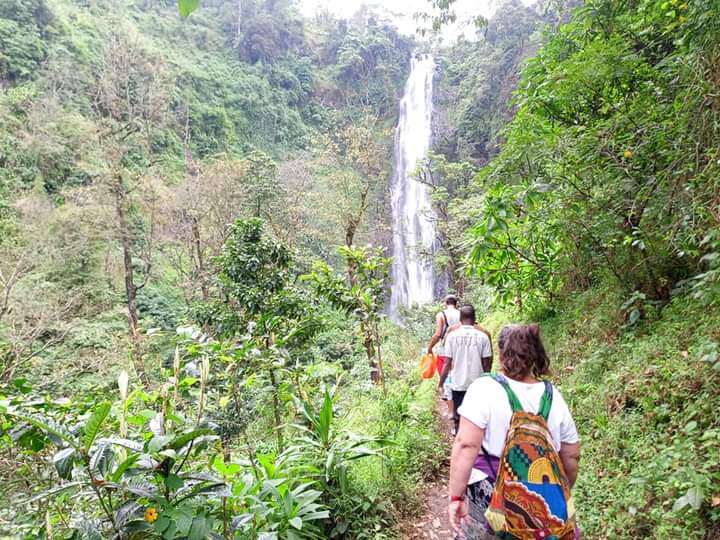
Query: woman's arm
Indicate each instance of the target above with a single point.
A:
(465, 449)
(570, 457)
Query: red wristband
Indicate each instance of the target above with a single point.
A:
(457, 498)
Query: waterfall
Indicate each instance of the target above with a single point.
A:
(414, 235)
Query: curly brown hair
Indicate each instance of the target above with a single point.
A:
(522, 352)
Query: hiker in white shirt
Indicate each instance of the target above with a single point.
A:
(443, 321)
(486, 415)
(469, 354)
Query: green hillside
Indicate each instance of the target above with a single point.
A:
(195, 232)
(597, 217)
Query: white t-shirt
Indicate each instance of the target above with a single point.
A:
(467, 346)
(486, 405)
(453, 317)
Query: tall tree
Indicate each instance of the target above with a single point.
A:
(360, 155)
(453, 203)
(204, 206)
(362, 296)
(131, 103)
(259, 302)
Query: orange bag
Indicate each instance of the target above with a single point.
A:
(428, 366)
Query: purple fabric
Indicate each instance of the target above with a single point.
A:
(487, 464)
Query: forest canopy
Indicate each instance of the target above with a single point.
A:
(196, 243)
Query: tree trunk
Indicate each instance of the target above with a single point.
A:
(276, 410)
(369, 344)
(378, 352)
(130, 286)
(351, 228)
(199, 262)
(195, 247)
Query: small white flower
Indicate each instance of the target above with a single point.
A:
(205, 370)
(123, 380)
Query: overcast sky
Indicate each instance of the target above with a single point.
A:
(403, 11)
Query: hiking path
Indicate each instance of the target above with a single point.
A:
(432, 522)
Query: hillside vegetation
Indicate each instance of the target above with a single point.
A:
(598, 217)
(132, 138)
(194, 217)
(173, 352)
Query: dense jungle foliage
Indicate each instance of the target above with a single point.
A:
(194, 217)
(595, 212)
(171, 344)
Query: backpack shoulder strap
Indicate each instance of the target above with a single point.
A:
(546, 401)
(512, 398)
(447, 325)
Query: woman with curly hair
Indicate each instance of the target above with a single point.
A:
(485, 417)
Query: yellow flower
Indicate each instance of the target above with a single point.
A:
(151, 515)
(682, 7)
(628, 154)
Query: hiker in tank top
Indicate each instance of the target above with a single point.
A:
(443, 321)
(485, 419)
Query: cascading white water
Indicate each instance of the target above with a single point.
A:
(414, 234)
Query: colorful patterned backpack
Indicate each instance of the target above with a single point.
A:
(531, 499)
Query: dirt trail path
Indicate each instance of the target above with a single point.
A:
(432, 522)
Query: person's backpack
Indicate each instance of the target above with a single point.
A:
(531, 499)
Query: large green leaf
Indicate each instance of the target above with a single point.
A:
(95, 422)
(102, 458)
(199, 529)
(53, 491)
(135, 446)
(173, 482)
(136, 525)
(216, 489)
(63, 461)
(47, 425)
(161, 524)
(326, 416)
(158, 442)
(186, 7)
(143, 489)
(124, 466)
(181, 440)
(127, 512)
(693, 498)
(183, 520)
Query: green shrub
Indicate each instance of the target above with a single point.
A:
(22, 43)
(643, 398)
